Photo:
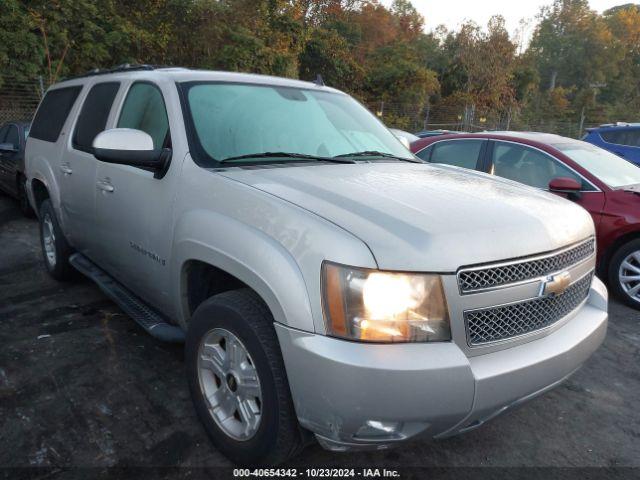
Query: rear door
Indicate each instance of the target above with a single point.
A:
(78, 167)
(463, 152)
(536, 168)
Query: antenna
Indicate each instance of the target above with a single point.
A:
(319, 82)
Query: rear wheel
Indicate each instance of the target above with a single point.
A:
(624, 273)
(25, 207)
(55, 249)
(238, 382)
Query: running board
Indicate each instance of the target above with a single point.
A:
(144, 315)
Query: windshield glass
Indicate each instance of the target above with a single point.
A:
(608, 167)
(232, 120)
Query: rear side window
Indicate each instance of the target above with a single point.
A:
(94, 114)
(144, 110)
(460, 153)
(53, 112)
(630, 138)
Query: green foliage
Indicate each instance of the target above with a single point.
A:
(577, 61)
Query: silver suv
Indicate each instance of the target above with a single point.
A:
(325, 281)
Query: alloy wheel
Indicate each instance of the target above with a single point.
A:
(629, 275)
(230, 384)
(49, 240)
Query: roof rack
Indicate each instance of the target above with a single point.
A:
(125, 67)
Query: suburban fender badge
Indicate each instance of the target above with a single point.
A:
(555, 284)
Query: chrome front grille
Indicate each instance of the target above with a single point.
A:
(494, 324)
(480, 278)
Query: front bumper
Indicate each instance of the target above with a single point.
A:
(362, 396)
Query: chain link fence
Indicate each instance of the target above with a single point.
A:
(468, 118)
(19, 98)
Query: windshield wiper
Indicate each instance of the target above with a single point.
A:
(375, 153)
(300, 156)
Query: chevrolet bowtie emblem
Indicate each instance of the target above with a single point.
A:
(555, 284)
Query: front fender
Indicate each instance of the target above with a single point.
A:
(249, 255)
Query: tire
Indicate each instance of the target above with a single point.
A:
(55, 249)
(25, 207)
(626, 261)
(277, 436)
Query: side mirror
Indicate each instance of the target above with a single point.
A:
(565, 185)
(8, 148)
(126, 146)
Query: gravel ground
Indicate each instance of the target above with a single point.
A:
(81, 385)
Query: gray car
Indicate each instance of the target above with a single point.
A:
(13, 139)
(325, 281)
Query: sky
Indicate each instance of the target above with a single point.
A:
(454, 12)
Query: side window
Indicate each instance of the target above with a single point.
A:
(529, 166)
(94, 114)
(461, 153)
(144, 110)
(629, 137)
(632, 138)
(425, 153)
(3, 133)
(53, 112)
(13, 137)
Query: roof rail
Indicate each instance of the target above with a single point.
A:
(125, 67)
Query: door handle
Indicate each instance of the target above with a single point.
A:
(105, 186)
(66, 169)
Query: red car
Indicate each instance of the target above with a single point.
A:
(603, 183)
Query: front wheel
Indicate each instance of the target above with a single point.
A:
(624, 273)
(238, 382)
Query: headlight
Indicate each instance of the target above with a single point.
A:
(376, 306)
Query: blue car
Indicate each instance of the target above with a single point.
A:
(623, 139)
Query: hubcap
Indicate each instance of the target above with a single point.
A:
(629, 275)
(49, 240)
(229, 383)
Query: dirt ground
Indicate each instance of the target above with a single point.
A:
(81, 385)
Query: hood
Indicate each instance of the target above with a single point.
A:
(420, 217)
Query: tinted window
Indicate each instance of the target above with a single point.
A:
(461, 153)
(529, 166)
(425, 153)
(94, 114)
(3, 133)
(622, 137)
(13, 137)
(144, 110)
(53, 112)
(609, 168)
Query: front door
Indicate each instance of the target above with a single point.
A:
(9, 159)
(536, 168)
(134, 209)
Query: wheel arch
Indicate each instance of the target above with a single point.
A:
(209, 247)
(605, 259)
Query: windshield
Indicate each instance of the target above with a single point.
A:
(608, 167)
(233, 120)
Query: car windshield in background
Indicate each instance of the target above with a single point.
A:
(608, 167)
(238, 120)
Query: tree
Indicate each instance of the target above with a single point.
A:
(571, 45)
